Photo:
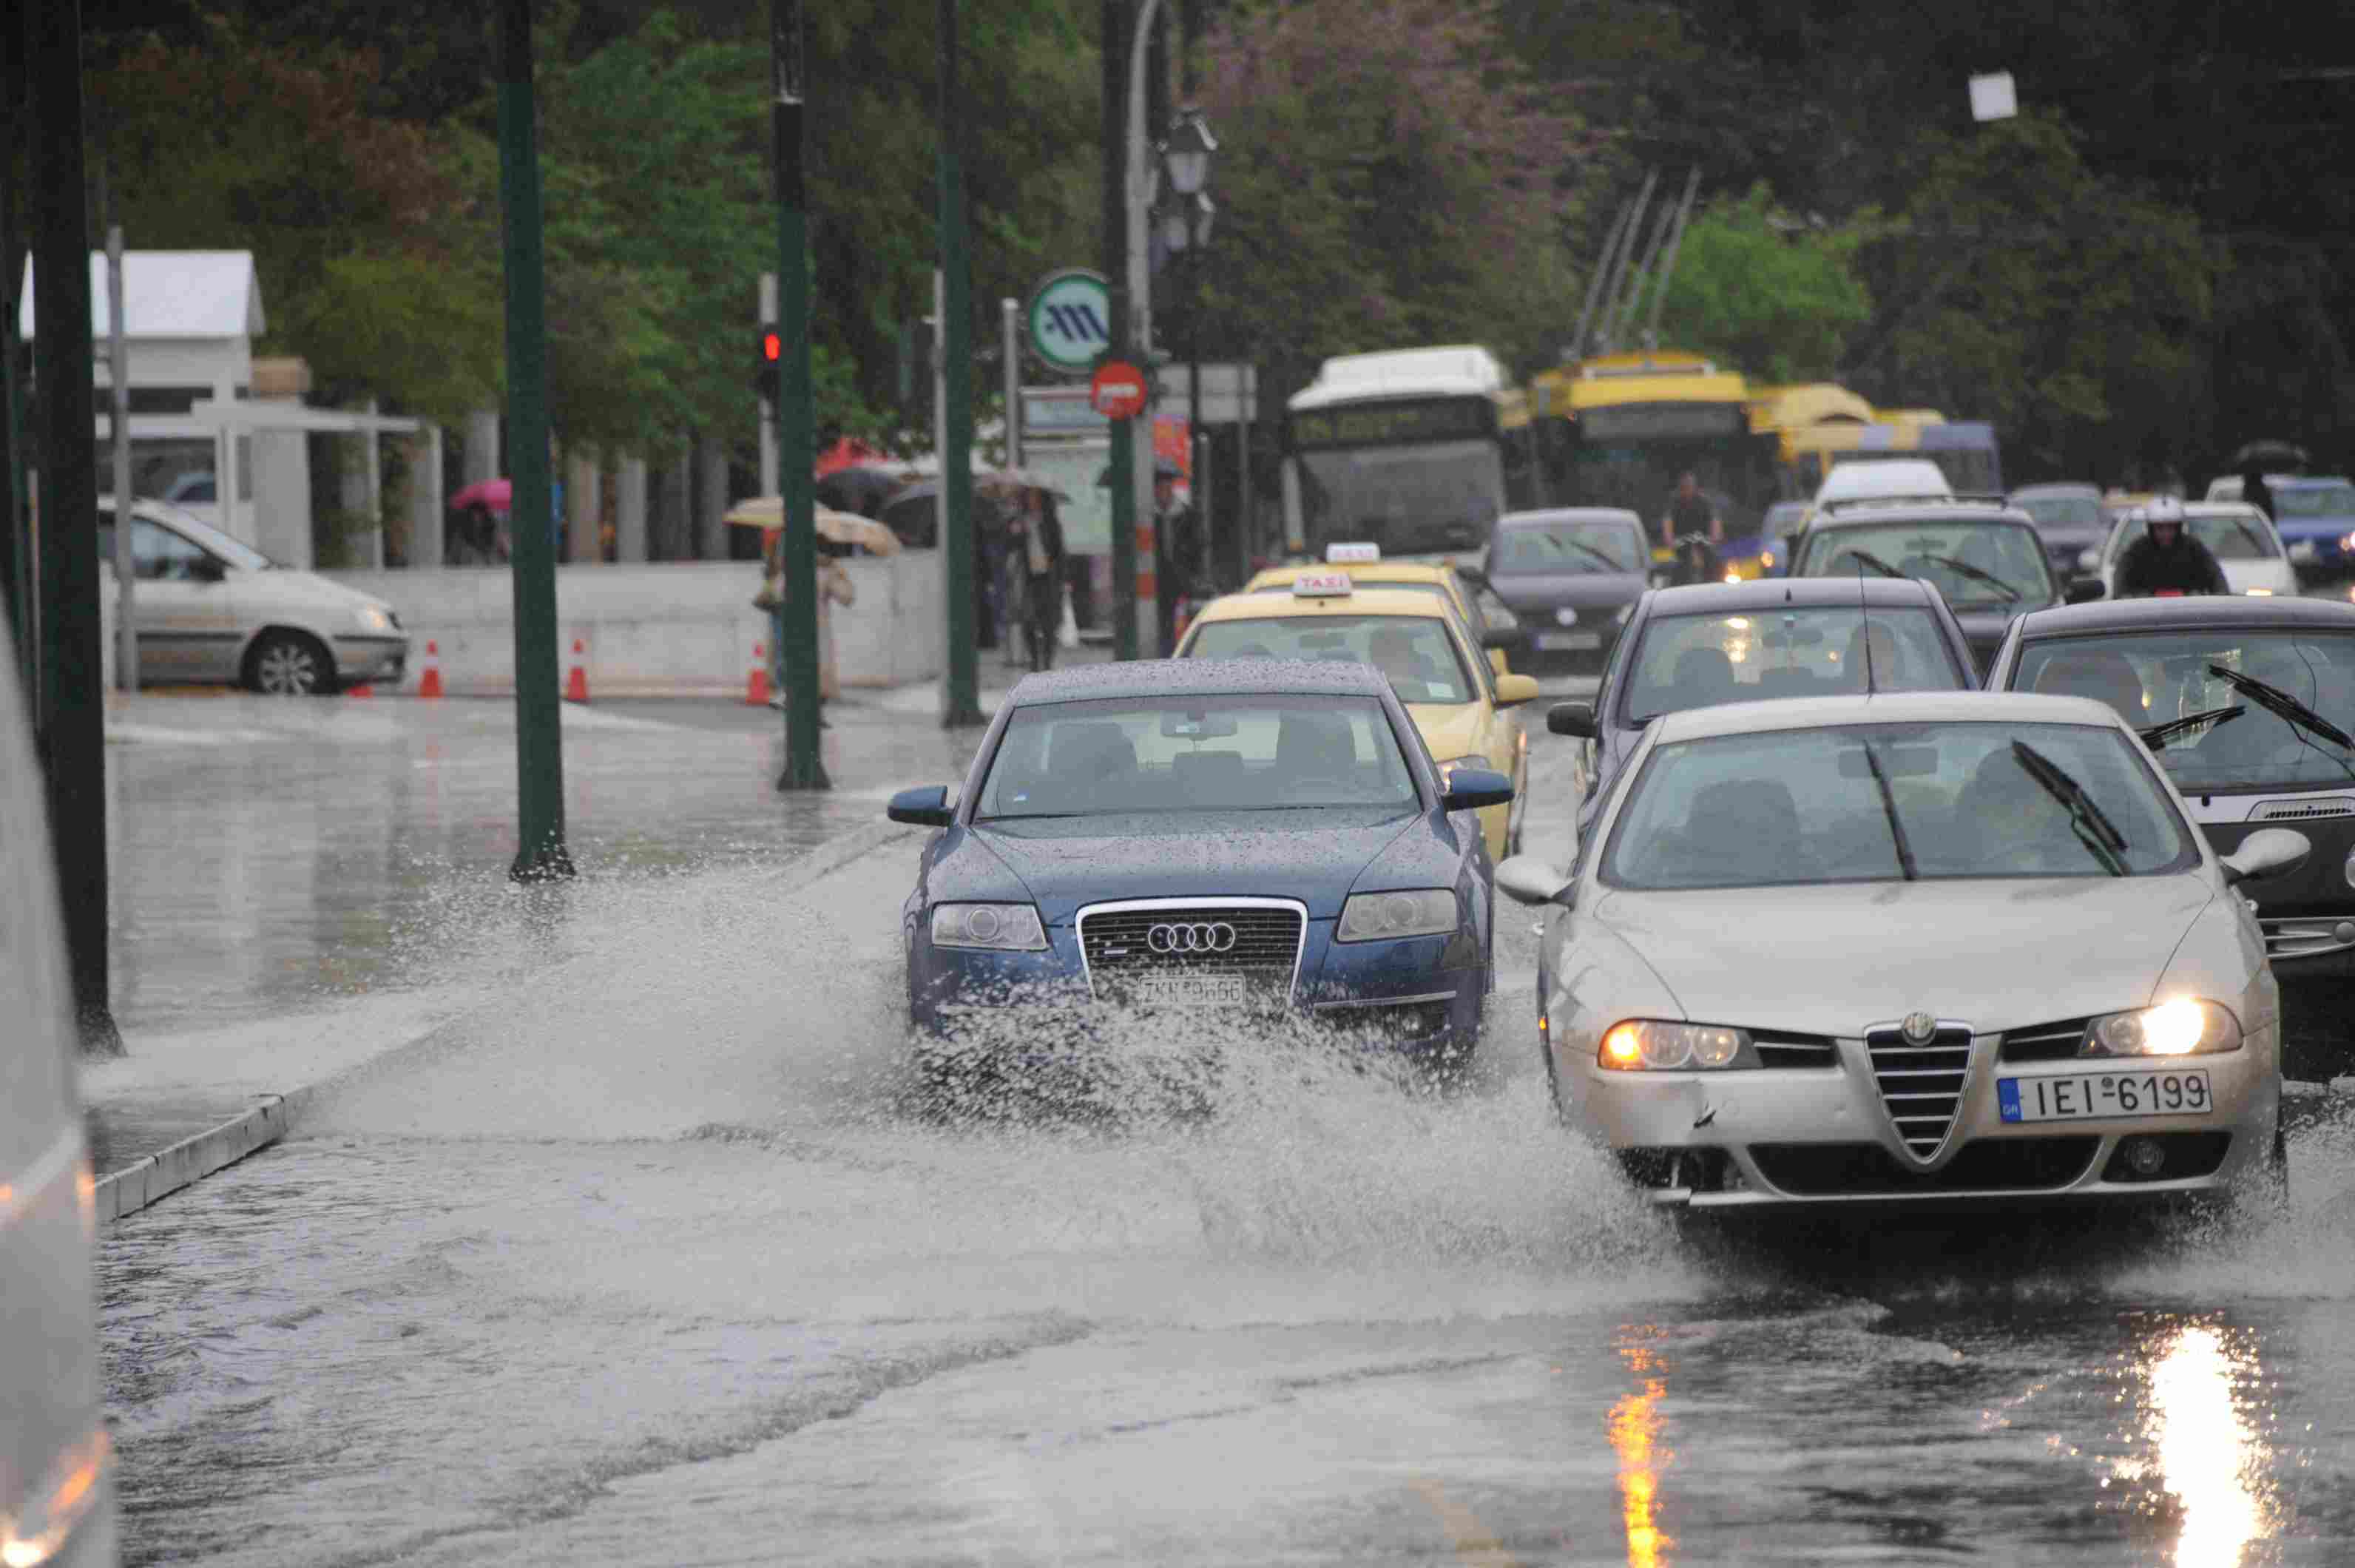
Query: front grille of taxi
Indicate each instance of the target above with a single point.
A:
(1922, 1086)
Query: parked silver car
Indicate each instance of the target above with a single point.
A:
(2024, 974)
(56, 1489)
(210, 608)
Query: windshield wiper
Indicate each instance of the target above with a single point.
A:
(1965, 569)
(1866, 557)
(2092, 827)
(1584, 548)
(2274, 700)
(1888, 806)
(2156, 736)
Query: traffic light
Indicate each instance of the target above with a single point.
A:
(768, 358)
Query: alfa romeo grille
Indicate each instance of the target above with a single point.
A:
(2056, 1041)
(1780, 1049)
(1921, 1085)
(1121, 942)
(2303, 936)
(2305, 810)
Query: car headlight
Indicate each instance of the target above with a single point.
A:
(1636, 1045)
(1378, 917)
(1012, 928)
(2183, 1027)
(372, 619)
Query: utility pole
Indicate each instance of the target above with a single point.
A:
(1123, 474)
(540, 854)
(71, 701)
(788, 70)
(118, 363)
(961, 701)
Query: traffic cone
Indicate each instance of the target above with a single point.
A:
(756, 683)
(428, 678)
(362, 689)
(576, 685)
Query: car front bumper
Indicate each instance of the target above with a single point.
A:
(371, 657)
(1821, 1135)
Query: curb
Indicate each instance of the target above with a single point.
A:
(149, 1180)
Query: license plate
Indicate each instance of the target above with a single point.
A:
(1189, 991)
(2099, 1096)
(2302, 550)
(1569, 639)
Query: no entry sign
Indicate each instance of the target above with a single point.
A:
(1117, 389)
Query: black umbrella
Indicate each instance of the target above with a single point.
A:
(860, 490)
(2268, 455)
(913, 514)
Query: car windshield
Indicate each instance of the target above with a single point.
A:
(1414, 651)
(2315, 501)
(1195, 753)
(2234, 537)
(1808, 650)
(2061, 511)
(2154, 677)
(1570, 547)
(1896, 801)
(1958, 555)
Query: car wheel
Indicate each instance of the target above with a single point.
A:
(289, 664)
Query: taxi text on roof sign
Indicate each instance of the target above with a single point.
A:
(1321, 585)
(1342, 554)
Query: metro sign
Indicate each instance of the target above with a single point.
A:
(1071, 320)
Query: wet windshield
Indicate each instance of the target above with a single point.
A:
(2315, 501)
(1414, 651)
(1957, 556)
(1598, 546)
(2237, 536)
(1195, 753)
(2063, 511)
(1410, 500)
(1699, 661)
(2154, 679)
(1896, 802)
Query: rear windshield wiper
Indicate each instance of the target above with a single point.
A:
(2156, 736)
(1965, 569)
(2092, 827)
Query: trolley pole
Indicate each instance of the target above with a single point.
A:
(540, 854)
(16, 545)
(961, 706)
(1115, 271)
(804, 768)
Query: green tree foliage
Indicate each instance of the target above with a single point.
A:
(1762, 290)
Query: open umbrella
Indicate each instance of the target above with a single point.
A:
(862, 489)
(768, 512)
(1015, 481)
(495, 494)
(2274, 455)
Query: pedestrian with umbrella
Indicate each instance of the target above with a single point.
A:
(2254, 459)
(839, 533)
(1035, 542)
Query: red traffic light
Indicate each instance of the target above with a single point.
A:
(773, 346)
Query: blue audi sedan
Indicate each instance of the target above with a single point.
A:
(1220, 838)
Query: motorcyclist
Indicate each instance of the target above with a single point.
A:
(2168, 560)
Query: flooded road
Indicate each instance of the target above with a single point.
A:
(656, 1257)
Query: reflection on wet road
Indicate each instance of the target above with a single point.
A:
(655, 1257)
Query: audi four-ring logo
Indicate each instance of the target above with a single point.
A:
(1209, 936)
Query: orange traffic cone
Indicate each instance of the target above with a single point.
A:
(428, 678)
(576, 685)
(362, 689)
(756, 683)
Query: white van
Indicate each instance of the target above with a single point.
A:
(57, 1495)
(1885, 478)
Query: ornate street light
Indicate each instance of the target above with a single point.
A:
(1185, 156)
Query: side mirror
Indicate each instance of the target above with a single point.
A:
(1512, 690)
(925, 807)
(2269, 852)
(2084, 591)
(1525, 878)
(1571, 718)
(1472, 574)
(1469, 789)
(1502, 636)
(208, 568)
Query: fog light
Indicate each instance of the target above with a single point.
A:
(2143, 1156)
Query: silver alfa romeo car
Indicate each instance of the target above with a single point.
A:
(1950, 946)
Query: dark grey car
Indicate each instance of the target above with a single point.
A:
(1570, 576)
(2070, 520)
(1983, 556)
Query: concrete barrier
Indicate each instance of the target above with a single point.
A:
(679, 627)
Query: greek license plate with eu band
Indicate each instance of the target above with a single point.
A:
(1188, 991)
(1570, 640)
(2098, 1096)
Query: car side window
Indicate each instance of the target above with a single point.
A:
(1606, 690)
(159, 555)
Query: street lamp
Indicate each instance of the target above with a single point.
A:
(1185, 156)
(1183, 216)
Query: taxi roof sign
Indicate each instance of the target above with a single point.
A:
(1322, 585)
(1351, 554)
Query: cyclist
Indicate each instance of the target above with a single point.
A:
(2168, 560)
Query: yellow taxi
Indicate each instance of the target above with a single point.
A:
(1365, 567)
(1411, 636)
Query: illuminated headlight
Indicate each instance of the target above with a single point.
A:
(2184, 1026)
(1732, 575)
(1640, 1043)
(372, 619)
(1378, 917)
(1010, 927)
(2346, 542)
(44, 1522)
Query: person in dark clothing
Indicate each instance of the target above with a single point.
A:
(2167, 558)
(1690, 512)
(2256, 492)
(1034, 535)
(1177, 549)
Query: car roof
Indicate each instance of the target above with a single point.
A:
(1258, 605)
(1570, 515)
(1919, 509)
(1882, 708)
(1766, 592)
(1200, 678)
(1375, 570)
(2059, 487)
(2200, 609)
